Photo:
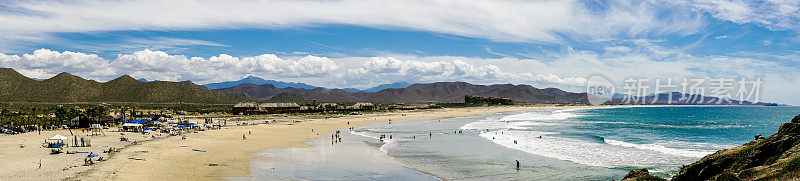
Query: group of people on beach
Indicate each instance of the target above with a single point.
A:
(383, 136)
(88, 159)
(335, 138)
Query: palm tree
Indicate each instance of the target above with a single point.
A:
(65, 113)
(96, 113)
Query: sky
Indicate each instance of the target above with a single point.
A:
(360, 44)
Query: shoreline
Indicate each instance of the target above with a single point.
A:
(228, 155)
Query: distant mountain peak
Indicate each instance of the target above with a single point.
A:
(258, 81)
(396, 85)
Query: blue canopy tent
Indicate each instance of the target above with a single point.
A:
(138, 121)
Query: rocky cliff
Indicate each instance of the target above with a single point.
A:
(776, 157)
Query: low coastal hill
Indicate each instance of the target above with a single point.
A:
(65, 87)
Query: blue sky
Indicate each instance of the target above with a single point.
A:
(361, 44)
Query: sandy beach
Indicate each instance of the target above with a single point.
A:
(226, 154)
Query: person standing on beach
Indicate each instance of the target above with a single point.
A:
(244, 137)
(430, 135)
(517, 164)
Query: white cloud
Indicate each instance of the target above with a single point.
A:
(773, 14)
(566, 71)
(621, 49)
(504, 20)
(46, 63)
(158, 65)
(378, 69)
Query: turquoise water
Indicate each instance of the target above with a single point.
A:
(551, 144)
(587, 144)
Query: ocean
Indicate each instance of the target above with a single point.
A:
(550, 144)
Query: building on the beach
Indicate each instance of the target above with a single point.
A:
(473, 100)
(249, 108)
(366, 106)
(326, 106)
(131, 127)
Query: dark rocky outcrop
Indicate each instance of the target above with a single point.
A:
(641, 175)
(776, 157)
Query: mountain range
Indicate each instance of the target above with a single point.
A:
(65, 87)
(415, 93)
(677, 98)
(258, 80)
(280, 84)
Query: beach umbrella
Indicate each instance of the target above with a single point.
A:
(93, 155)
(58, 137)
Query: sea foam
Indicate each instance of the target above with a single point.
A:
(605, 153)
(580, 151)
(528, 118)
(662, 149)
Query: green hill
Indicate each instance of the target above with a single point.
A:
(65, 87)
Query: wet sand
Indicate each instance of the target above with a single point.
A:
(354, 158)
